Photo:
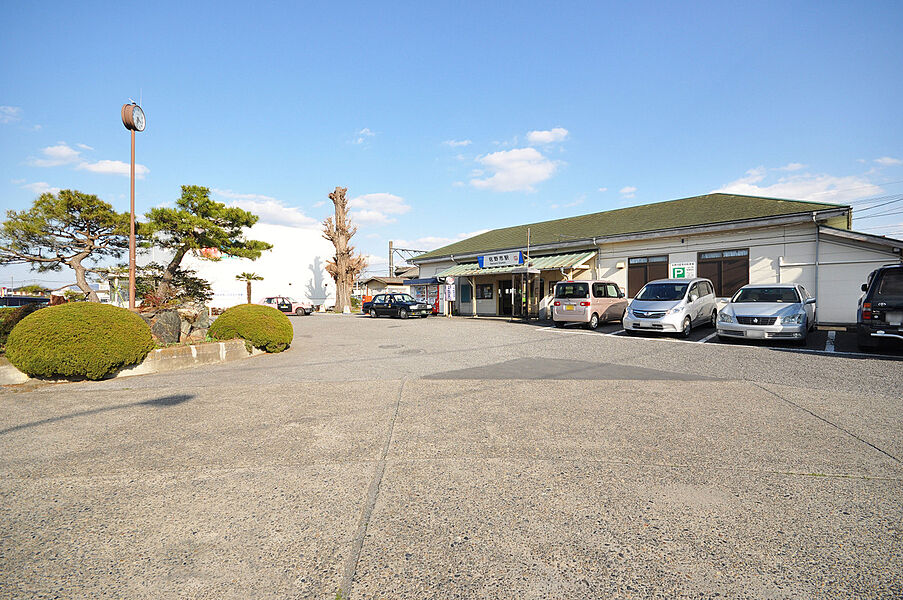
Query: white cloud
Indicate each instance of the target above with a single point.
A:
(63, 154)
(39, 187)
(376, 208)
(803, 186)
(603, 189)
(548, 136)
(627, 191)
(55, 156)
(887, 161)
(515, 170)
(792, 167)
(319, 203)
(363, 134)
(238, 196)
(10, 114)
(431, 242)
(270, 210)
(114, 167)
(457, 143)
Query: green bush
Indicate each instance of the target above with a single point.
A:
(263, 327)
(11, 315)
(80, 339)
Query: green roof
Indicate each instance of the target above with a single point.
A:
(543, 263)
(686, 212)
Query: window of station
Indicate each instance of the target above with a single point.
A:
(466, 292)
(728, 270)
(484, 291)
(643, 269)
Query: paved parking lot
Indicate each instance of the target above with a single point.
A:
(460, 458)
(831, 340)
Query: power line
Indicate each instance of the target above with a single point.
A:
(898, 198)
(885, 214)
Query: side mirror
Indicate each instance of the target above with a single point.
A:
(810, 301)
(620, 294)
(865, 287)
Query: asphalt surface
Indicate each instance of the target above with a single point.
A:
(460, 458)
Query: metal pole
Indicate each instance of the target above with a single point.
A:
(132, 231)
(391, 260)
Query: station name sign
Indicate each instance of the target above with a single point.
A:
(502, 259)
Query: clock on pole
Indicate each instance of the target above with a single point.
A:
(133, 119)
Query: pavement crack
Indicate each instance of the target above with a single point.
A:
(831, 423)
(372, 495)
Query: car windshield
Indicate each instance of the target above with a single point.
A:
(768, 294)
(572, 290)
(403, 298)
(891, 286)
(663, 291)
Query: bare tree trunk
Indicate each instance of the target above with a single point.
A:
(81, 278)
(344, 266)
(249, 291)
(164, 288)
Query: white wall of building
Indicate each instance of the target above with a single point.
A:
(295, 267)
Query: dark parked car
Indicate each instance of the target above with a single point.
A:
(880, 313)
(400, 305)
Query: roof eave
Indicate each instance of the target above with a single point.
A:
(670, 232)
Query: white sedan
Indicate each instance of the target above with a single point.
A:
(774, 311)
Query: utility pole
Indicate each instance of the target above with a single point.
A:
(391, 259)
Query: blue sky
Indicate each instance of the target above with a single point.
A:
(443, 120)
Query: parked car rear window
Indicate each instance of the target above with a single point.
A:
(890, 286)
(662, 291)
(775, 294)
(572, 290)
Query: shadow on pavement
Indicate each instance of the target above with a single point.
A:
(157, 402)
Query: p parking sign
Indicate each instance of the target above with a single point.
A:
(682, 270)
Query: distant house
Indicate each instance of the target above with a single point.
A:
(377, 285)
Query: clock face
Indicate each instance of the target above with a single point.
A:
(138, 118)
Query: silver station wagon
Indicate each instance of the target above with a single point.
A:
(774, 311)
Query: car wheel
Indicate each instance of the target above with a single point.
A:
(373, 313)
(688, 327)
(629, 332)
(299, 312)
(402, 313)
(593, 322)
(423, 316)
(559, 324)
(725, 339)
(714, 318)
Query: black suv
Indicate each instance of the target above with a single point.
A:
(880, 313)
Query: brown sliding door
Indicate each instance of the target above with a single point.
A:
(643, 269)
(728, 270)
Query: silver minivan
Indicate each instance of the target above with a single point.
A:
(672, 306)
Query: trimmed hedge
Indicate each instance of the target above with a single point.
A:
(11, 315)
(263, 327)
(79, 339)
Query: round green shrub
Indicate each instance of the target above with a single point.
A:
(11, 315)
(263, 327)
(79, 339)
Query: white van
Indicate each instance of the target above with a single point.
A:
(589, 302)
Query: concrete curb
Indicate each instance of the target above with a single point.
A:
(160, 360)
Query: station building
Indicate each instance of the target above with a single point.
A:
(731, 239)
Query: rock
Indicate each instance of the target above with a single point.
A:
(166, 327)
(196, 336)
